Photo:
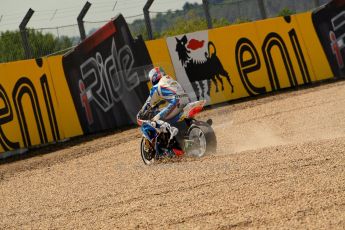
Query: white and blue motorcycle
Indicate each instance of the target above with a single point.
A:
(194, 138)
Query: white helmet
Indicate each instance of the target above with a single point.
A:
(156, 74)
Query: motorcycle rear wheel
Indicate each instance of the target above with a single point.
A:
(203, 138)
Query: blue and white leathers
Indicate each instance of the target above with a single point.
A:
(169, 90)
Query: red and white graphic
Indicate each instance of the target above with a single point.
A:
(196, 64)
(337, 38)
(195, 44)
(198, 54)
(336, 48)
(85, 97)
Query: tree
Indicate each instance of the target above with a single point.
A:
(11, 48)
(286, 12)
(191, 24)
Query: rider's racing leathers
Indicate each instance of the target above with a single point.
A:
(169, 90)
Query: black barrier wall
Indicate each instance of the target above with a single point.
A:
(105, 75)
(329, 22)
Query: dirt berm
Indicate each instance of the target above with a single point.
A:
(280, 164)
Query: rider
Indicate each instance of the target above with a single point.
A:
(164, 88)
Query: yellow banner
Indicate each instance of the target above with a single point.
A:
(160, 56)
(269, 55)
(29, 111)
(69, 121)
(246, 59)
(315, 53)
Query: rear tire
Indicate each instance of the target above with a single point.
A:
(147, 156)
(204, 136)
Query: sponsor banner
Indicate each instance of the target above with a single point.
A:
(106, 76)
(189, 55)
(29, 111)
(329, 22)
(248, 59)
(67, 114)
(239, 57)
(315, 54)
(283, 53)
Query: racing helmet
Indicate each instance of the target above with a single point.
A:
(156, 74)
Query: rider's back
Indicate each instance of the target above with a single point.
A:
(168, 87)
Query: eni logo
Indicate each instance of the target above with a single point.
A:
(24, 87)
(245, 48)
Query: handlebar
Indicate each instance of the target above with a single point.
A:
(148, 114)
(145, 115)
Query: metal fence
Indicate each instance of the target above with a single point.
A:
(243, 10)
(59, 39)
(224, 12)
(235, 11)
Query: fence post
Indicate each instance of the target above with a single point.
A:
(80, 21)
(207, 14)
(24, 35)
(316, 3)
(262, 9)
(148, 19)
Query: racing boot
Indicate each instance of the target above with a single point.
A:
(165, 127)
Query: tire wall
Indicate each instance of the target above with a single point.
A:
(36, 108)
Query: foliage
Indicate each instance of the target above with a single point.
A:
(194, 23)
(286, 12)
(241, 20)
(138, 28)
(11, 47)
(188, 23)
(223, 12)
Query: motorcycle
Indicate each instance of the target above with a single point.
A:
(194, 138)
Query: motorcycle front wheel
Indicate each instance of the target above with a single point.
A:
(147, 152)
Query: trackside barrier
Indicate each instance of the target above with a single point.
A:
(35, 107)
(106, 75)
(329, 22)
(102, 83)
(254, 58)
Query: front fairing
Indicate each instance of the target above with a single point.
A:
(149, 132)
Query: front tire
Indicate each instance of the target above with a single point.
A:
(149, 155)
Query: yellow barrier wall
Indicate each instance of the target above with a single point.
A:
(259, 57)
(315, 52)
(29, 110)
(67, 113)
(160, 56)
(226, 40)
